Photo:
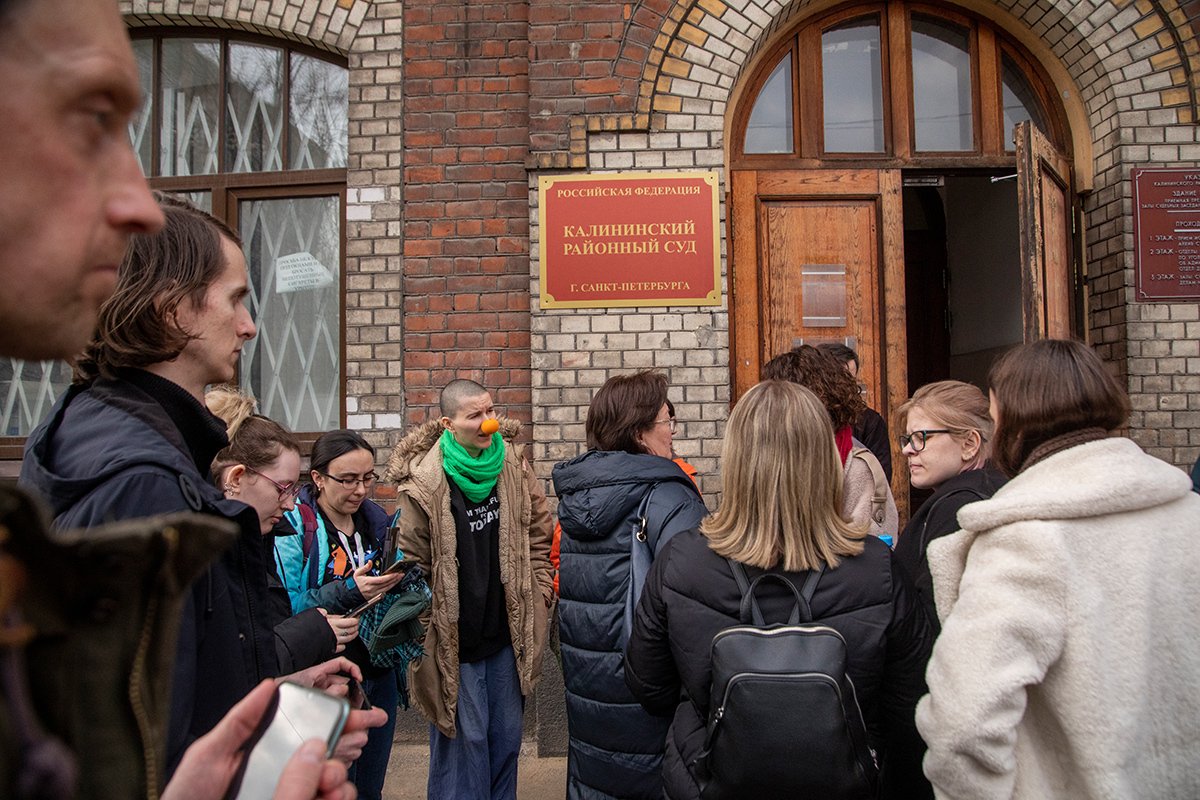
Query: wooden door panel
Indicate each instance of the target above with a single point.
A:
(781, 220)
(1046, 242)
(820, 274)
(1056, 254)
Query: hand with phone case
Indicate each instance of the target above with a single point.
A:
(211, 763)
(296, 715)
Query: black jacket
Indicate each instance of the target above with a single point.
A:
(938, 516)
(615, 747)
(691, 594)
(133, 448)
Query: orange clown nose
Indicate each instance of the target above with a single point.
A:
(489, 426)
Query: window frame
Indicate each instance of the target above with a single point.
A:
(988, 44)
(228, 188)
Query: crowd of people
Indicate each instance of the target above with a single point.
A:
(1030, 631)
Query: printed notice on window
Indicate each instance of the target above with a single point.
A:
(1166, 233)
(300, 272)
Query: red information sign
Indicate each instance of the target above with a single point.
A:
(1166, 233)
(629, 239)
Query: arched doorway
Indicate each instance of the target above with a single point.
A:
(900, 181)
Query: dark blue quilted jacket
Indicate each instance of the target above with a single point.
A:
(615, 746)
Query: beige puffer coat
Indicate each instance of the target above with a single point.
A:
(427, 534)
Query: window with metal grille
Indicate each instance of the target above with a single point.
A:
(255, 132)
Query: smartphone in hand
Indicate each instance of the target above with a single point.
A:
(296, 714)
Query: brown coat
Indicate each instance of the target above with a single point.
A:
(427, 534)
(102, 609)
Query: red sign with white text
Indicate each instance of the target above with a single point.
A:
(1166, 234)
(629, 239)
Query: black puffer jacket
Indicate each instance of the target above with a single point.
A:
(133, 448)
(691, 594)
(937, 517)
(615, 747)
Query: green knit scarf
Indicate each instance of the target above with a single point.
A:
(476, 477)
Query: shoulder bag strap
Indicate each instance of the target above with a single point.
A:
(879, 496)
(640, 534)
(641, 556)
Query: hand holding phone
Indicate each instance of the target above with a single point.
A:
(213, 761)
(372, 585)
(296, 715)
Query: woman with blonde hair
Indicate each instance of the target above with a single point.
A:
(867, 499)
(779, 512)
(946, 440)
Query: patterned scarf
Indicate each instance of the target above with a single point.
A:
(476, 477)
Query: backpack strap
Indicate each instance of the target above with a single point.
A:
(750, 612)
(880, 494)
(308, 522)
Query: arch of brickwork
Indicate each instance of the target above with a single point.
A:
(1133, 64)
(331, 25)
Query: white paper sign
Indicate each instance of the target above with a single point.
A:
(300, 272)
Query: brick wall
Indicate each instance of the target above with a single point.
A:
(1133, 67)
(466, 229)
(457, 108)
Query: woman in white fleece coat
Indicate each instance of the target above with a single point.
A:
(1069, 660)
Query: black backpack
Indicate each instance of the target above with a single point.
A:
(783, 720)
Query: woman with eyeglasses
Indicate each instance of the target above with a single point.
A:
(260, 468)
(947, 443)
(619, 504)
(334, 563)
(1069, 660)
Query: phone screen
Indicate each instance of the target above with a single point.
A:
(299, 714)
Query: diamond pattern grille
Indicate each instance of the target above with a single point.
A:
(292, 365)
(29, 389)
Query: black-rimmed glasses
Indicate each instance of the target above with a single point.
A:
(287, 491)
(917, 438)
(367, 480)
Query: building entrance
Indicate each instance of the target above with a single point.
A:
(927, 274)
(962, 274)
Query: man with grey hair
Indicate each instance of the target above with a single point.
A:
(88, 620)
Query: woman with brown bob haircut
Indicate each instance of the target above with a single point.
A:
(867, 499)
(1069, 659)
(619, 504)
(781, 482)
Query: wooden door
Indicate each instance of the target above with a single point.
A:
(1049, 280)
(818, 255)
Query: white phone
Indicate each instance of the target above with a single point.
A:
(296, 714)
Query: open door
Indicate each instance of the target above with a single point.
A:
(1048, 274)
(818, 255)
